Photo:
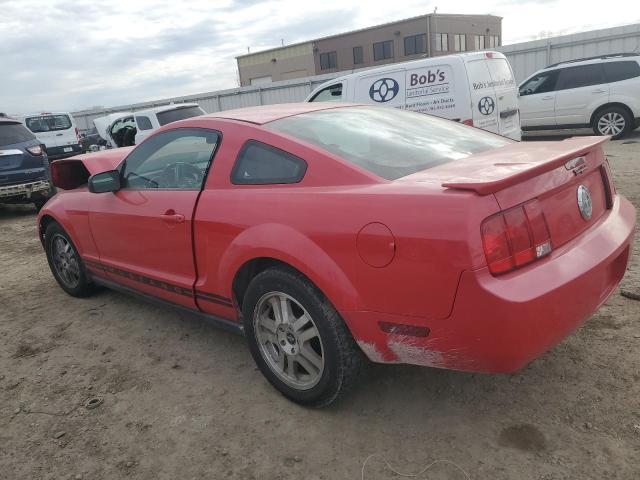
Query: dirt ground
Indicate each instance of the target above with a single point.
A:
(182, 400)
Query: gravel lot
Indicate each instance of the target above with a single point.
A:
(182, 400)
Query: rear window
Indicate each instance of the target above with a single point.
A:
(179, 113)
(618, 71)
(48, 123)
(11, 133)
(501, 73)
(388, 142)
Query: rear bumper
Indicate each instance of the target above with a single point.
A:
(56, 153)
(39, 189)
(500, 324)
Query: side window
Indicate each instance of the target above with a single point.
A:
(542, 83)
(582, 76)
(177, 159)
(618, 71)
(332, 93)
(261, 164)
(143, 123)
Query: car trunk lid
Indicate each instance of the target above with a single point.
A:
(551, 172)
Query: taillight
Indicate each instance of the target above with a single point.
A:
(77, 135)
(468, 121)
(515, 237)
(35, 150)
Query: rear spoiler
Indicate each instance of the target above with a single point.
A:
(496, 170)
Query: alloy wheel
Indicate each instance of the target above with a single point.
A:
(65, 261)
(289, 340)
(611, 123)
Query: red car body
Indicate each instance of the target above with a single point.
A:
(402, 261)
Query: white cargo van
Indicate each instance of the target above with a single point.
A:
(476, 88)
(57, 131)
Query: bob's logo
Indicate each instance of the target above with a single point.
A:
(384, 90)
(427, 79)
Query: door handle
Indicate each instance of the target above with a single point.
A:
(598, 91)
(550, 97)
(170, 216)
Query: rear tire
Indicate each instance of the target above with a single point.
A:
(65, 262)
(307, 352)
(614, 121)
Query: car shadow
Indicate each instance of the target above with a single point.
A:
(8, 211)
(551, 135)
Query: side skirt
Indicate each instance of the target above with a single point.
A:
(218, 322)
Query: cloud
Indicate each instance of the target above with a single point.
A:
(67, 55)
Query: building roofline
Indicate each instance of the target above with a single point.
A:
(359, 30)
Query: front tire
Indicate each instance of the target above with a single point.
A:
(298, 339)
(614, 121)
(65, 262)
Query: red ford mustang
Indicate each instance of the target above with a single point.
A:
(327, 231)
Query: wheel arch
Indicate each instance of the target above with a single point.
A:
(604, 106)
(265, 246)
(43, 222)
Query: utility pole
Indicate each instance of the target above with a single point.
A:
(435, 27)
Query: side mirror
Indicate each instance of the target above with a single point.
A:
(105, 182)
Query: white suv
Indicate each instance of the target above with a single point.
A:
(602, 93)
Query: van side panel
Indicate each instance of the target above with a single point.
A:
(434, 86)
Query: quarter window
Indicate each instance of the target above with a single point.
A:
(442, 42)
(358, 56)
(328, 60)
(460, 42)
(383, 50)
(582, 76)
(262, 164)
(177, 159)
(143, 123)
(415, 44)
(618, 71)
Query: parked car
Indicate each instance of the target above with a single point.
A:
(601, 93)
(90, 139)
(24, 167)
(57, 132)
(149, 120)
(325, 231)
(124, 129)
(476, 89)
(116, 129)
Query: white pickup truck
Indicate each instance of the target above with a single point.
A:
(124, 129)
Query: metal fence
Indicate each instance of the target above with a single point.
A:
(528, 57)
(525, 58)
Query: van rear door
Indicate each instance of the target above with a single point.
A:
(54, 130)
(484, 103)
(506, 92)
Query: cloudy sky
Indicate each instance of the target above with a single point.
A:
(74, 54)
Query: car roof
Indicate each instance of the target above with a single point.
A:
(269, 113)
(617, 57)
(164, 108)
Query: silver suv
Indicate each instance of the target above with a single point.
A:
(602, 93)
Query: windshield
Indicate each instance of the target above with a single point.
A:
(179, 113)
(48, 123)
(388, 142)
